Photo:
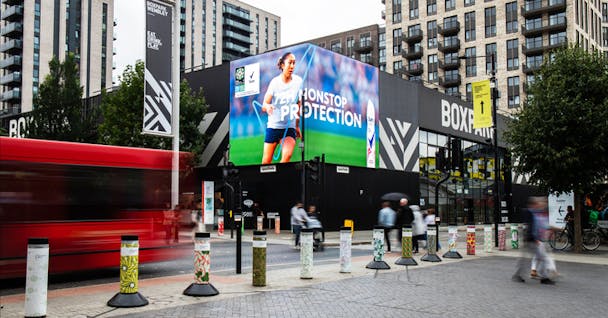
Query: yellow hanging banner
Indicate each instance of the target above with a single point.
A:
(482, 104)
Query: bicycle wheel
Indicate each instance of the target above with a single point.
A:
(559, 240)
(591, 241)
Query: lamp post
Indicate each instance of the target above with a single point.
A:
(496, 190)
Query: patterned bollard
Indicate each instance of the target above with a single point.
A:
(471, 240)
(129, 262)
(502, 233)
(514, 236)
(452, 238)
(259, 259)
(277, 225)
(220, 226)
(345, 249)
(487, 238)
(406, 247)
(202, 267)
(306, 253)
(378, 243)
(36, 279)
(431, 255)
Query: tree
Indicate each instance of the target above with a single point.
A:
(58, 112)
(560, 136)
(122, 112)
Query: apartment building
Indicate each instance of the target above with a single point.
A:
(365, 44)
(33, 31)
(217, 31)
(448, 44)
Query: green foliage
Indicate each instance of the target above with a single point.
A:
(561, 135)
(122, 111)
(58, 112)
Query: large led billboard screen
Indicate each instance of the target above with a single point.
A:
(339, 96)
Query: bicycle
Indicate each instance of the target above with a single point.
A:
(564, 238)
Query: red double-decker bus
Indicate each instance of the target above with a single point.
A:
(83, 198)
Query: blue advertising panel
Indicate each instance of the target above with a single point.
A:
(339, 97)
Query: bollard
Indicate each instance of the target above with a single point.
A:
(471, 240)
(452, 239)
(259, 258)
(406, 247)
(306, 253)
(378, 243)
(345, 249)
(277, 225)
(220, 226)
(502, 233)
(129, 262)
(260, 223)
(202, 267)
(487, 238)
(514, 236)
(36, 279)
(431, 254)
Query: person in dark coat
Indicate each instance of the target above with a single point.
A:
(404, 217)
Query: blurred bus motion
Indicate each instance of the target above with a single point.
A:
(83, 197)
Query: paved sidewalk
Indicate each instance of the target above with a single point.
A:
(473, 285)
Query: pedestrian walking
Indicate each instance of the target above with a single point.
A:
(386, 219)
(418, 228)
(298, 220)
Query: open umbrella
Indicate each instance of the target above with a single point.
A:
(394, 196)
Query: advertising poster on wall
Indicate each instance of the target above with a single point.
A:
(558, 205)
(339, 97)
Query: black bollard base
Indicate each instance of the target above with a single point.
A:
(431, 258)
(127, 300)
(450, 254)
(377, 265)
(197, 290)
(406, 261)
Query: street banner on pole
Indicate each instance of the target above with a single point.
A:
(158, 85)
(482, 104)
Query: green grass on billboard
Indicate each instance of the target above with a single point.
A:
(338, 149)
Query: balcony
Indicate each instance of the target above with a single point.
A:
(12, 13)
(453, 64)
(11, 30)
(230, 11)
(539, 47)
(449, 45)
(12, 2)
(545, 25)
(538, 7)
(414, 36)
(412, 53)
(400, 72)
(451, 27)
(10, 110)
(12, 95)
(232, 24)
(450, 81)
(11, 63)
(415, 69)
(245, 40)
(364, 46)
(531, 68)
(12, 47)
(12, 79)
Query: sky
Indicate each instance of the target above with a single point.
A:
(301, 20)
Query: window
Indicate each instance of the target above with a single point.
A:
(490, 14)
(471, 61)
(350, 44)
(468, 3)
(490, 51)
(336, 46)
(533, 43)
(513, 91)
(397, 66)
(396, 11)
(534, 61)
(605, 12)
(432, 65)
(605, 36)
(414, 11)
(397, 38)
(469, 89)
(469, 26)
(557, 38)
(431, 34)
(511, 16)
(450, 5)
(557, 19)
(431, 7)
(512, 54)
(452, 91)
